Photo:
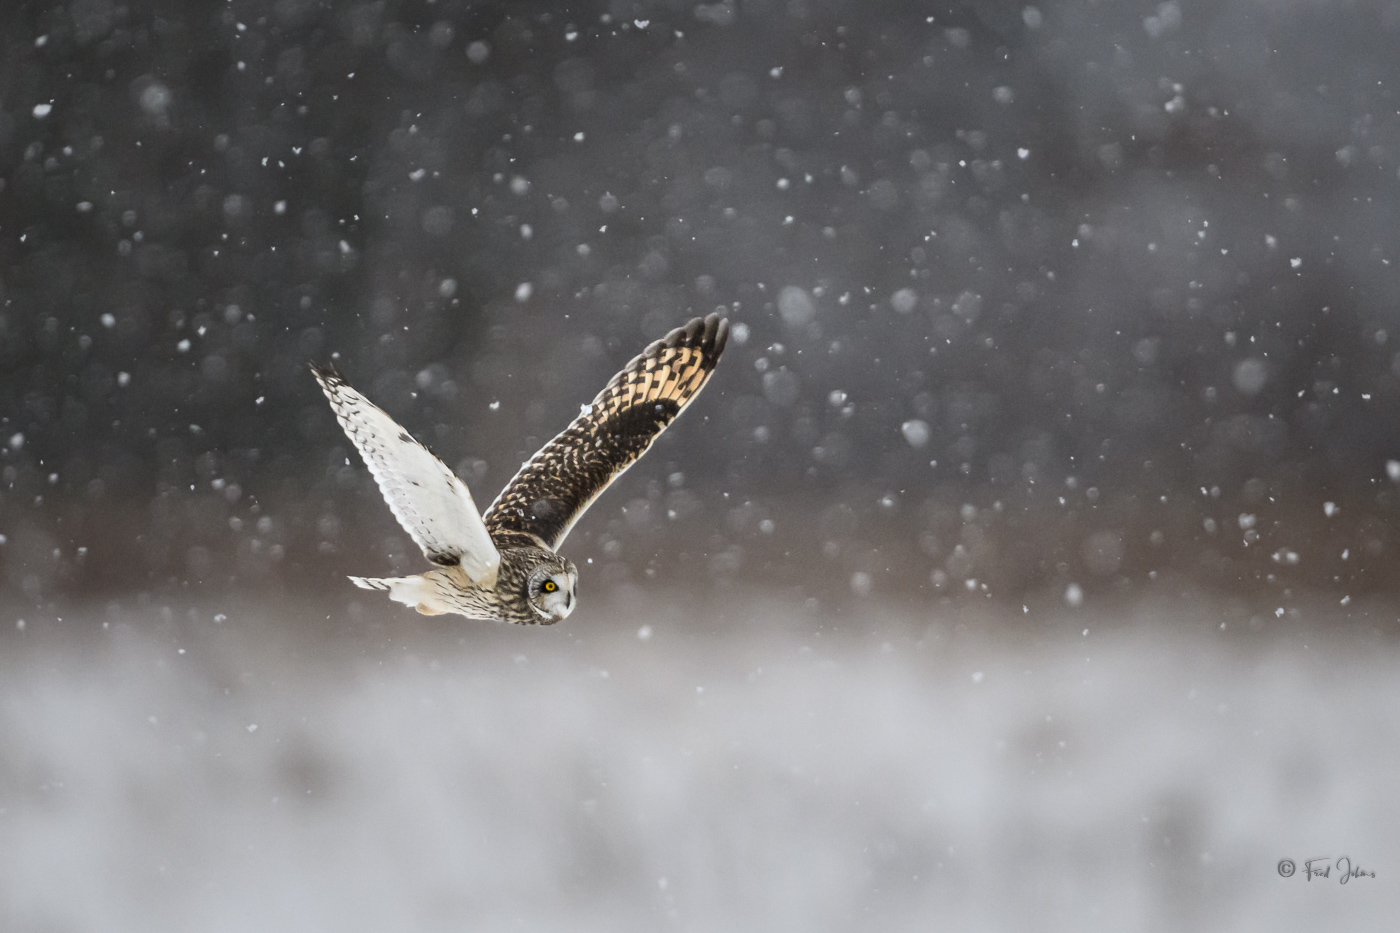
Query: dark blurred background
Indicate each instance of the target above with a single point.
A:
(1029, 297)
(1027, 564)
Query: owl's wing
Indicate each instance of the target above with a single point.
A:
(556, 485)
(427, 498)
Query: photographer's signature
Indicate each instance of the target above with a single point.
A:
(1344, 868)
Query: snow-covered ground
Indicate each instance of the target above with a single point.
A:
(753, 768)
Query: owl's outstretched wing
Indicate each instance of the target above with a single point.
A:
(427, 498)
(558, 484)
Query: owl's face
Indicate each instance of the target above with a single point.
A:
(553, 589)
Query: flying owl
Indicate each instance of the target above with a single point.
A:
(505, 565)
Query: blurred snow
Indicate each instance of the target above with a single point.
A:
(1145, 248)
(755, 768)
(1037, 310)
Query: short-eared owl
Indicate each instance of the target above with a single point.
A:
(504, 565)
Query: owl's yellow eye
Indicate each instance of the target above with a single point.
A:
(550, 586)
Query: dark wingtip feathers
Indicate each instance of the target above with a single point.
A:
(720, 330)
(327, 375)
(708, 333)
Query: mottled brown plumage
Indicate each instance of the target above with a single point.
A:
(505, 566)
(556, 486)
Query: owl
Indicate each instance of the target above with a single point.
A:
(505, 564)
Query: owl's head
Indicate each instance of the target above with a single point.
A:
(551, 589)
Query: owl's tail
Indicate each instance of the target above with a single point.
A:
(411, 591)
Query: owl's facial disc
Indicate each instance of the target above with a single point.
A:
(552, 594)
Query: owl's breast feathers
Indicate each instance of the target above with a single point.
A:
(512, 592)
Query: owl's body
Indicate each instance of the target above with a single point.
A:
(505, 565)
(449, 589)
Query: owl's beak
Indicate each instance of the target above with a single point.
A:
(561, 612)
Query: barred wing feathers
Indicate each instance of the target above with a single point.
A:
(555, 487)
(430, 502)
